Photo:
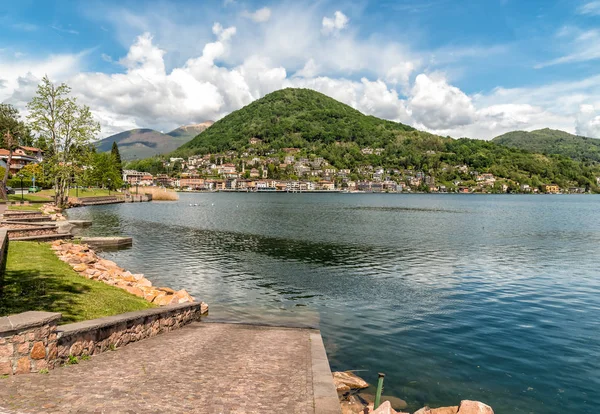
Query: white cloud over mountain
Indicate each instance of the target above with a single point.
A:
(334, 24)
(293, 48)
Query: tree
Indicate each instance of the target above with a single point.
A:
(117, 157)
(67, 128)
(103, 171)
(12, 131)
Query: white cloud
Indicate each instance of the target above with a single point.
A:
(216, 71)
(259, 16)
(582, 46)
(590, 8)
(437, 105)
(588, 121)
(61, 29)
(336, 24)
(310, 69)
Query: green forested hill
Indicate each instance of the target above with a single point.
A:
(295, 118)
(322, 127)
(552, 141)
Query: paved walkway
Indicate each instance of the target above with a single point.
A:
(201, 368)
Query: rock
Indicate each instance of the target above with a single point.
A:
(135, 291)
(162, 300)
(474, 407)
(38, 351)
(352, 405)
(441, 410)
(384, 408)
(181, 296)
(23, 365)
(203, 308)
(5, 368)
(80, 267)
(397, 403)
(166, 289)
(346, 380)
(143, 282)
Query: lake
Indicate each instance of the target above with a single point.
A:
(487, 297)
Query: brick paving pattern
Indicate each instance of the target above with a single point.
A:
(201, 368)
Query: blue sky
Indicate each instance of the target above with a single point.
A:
(460, 68)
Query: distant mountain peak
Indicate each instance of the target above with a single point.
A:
(141, 143)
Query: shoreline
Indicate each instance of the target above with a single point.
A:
(87, 263)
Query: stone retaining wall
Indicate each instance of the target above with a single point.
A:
(32, 341)
(28, 342)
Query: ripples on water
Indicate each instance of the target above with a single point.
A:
(498, 303)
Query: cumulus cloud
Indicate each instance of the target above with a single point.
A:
(224, 71)
(260, 15)
(588, 121)
(310, 69)
(333, 25)
(436, 104)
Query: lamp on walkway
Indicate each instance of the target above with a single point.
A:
(109, 186)
(21, 177)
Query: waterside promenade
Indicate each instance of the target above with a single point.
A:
(201, 368)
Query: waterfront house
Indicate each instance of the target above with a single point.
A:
(326, 185)
(254, 173)
(551, 189)
(19, 159)
(37, 153)
(192, 182)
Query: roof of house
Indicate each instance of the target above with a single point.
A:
(32, 149)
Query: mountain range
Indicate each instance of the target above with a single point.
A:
(553, 141)
(145, 143)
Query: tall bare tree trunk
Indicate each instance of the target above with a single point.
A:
(10, 144)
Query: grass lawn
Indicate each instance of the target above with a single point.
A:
(83, 192)
(29, 197)
(31, 207)
(36, 279)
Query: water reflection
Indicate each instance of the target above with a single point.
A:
(499, 303)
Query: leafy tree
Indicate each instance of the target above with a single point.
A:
(103, 171)
(68, 129)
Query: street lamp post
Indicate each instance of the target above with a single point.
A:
(21, 177)
(109, 186)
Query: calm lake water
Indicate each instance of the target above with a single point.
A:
(492, 298)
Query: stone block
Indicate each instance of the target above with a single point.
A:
(23, 348)
(38, 351)
(5, 368)
(23, 365)
(6, 350)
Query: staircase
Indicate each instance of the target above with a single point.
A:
(28, 225)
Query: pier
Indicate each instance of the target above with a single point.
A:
(203, 367)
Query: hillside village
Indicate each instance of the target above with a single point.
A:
(290, 170)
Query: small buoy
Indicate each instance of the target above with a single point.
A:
(212, 204)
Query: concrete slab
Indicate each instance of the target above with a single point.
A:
(201, 368)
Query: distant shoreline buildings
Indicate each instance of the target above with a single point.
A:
(293, 173)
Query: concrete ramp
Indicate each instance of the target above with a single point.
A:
(201, 368)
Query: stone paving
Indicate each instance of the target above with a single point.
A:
(201, 368)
